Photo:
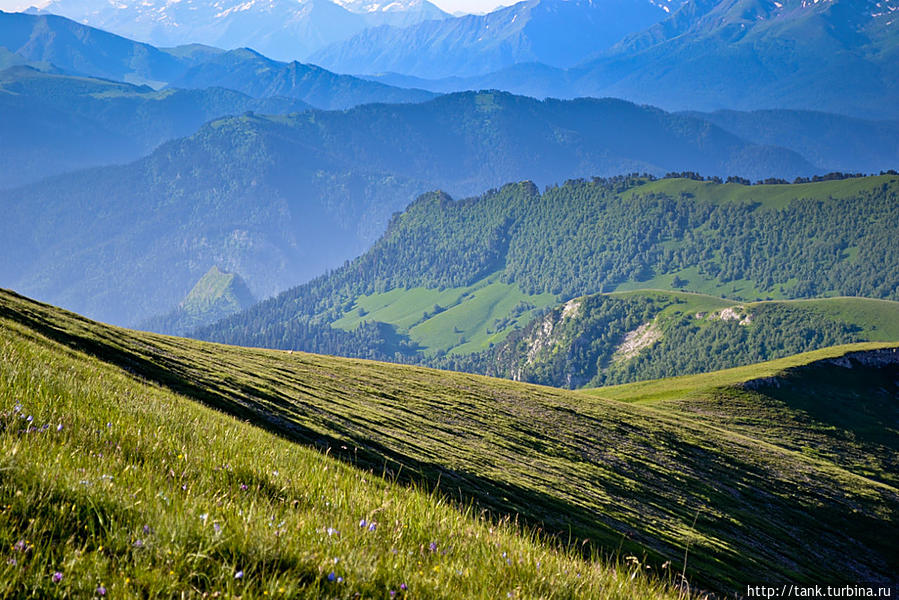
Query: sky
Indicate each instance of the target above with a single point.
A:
(450, 6)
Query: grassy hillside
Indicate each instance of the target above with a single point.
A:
(630, 478)
(121, 485)
(459, 320)
(819, 404)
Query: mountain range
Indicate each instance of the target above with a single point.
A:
(834, 56)
(66, 104)
(283, 29)
(255, 75)
(59, 45)
(559, 33)
(51, 123)
(281, 199)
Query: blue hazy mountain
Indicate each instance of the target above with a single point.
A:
(559, 33)
(284, 29)
(54, 43)
(839, 56)
(51, 122)
(281, 199)
(77, 49)
(832, 55)
(833, 142)
(251, 73)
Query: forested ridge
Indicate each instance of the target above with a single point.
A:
(588, 348)
(748, 242)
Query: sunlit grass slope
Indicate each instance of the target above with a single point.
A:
(645, 480)
(113, 486)
(818, 403)
(460, 320)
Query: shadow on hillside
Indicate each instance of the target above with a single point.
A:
(783, 530)
(564, 522)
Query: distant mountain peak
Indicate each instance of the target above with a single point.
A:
(374, 6)
(282, 29)
(218, 291)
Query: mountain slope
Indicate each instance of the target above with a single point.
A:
(52, 123)
(253, 74)
(53, 43)
(128, 489)
(623, 475)
(801, 405)
(615, 338)
(834, 142)
(78, 49)
(835, 56)
(560, 33)
(281, 199)
(458, 276)
(287, 30)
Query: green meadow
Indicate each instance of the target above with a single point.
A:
(477, 487)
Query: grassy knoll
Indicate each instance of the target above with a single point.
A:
(625, 477)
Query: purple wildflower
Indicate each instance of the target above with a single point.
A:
(101, 591)
(332, 576)
(363, 523)
(392, 593)
(433, 546)
(12, 562)
(217, 527)
(57, 577)
(59, 427)
(20, 546)
(147, 529)
(238, 575)
(372, 526)
(403, 586)
(138, 543)
(243, 487)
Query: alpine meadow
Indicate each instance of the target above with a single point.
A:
(556, 299)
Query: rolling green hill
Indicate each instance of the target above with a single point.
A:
(630, 477)
(453, 278)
